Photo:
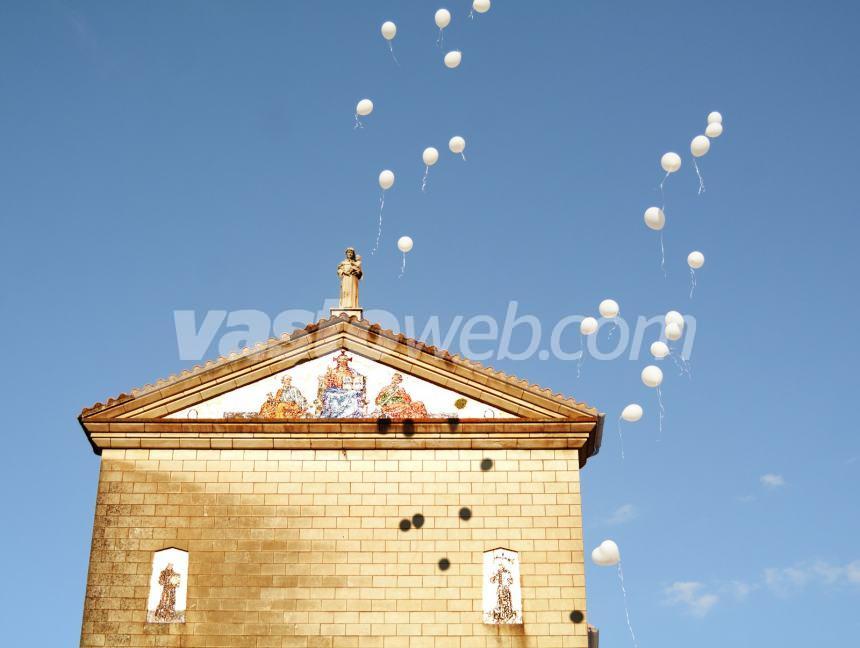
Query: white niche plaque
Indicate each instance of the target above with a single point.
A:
(168, 587)
(503, 599)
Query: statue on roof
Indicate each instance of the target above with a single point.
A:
(349, 271)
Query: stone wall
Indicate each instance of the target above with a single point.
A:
(303, 548)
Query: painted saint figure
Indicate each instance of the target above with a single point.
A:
(341, 375)
(342, 391)
(291, 401)
(395, 402)
(169, 581)
(349, 271)
(504, 610)
(287, 403)
(269, 408)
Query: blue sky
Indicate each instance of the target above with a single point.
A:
(164, 156)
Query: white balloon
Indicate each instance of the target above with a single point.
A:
(715, 118)
(652, 376)
(610, 551)
(695, 259)
(700, 145)
(457, 144)
(598, 558)
(364, 107)
(714, 129)
(655, 218)
(481, 6)
(404, 244)
(453, 58)
(386, 179)
(608, 308)
(659, 349)
(674, 317)
(430, 156)
(632, 413)
(389, 29)
(588, 326)
(674, 331)
(442, 18)
(670, 162)
(606, 554)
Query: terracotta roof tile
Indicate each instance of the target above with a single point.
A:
(354, 321)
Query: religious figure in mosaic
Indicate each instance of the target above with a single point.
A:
(169, 581)
(287, 403)
(349, 271)
(291, 401)
(267, 410)
(342, 392)
(504, 610)
(394, 402)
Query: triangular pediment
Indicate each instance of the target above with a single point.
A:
(341, 384)
(340, 368)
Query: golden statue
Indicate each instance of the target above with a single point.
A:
(349, 271)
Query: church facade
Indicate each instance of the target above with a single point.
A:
(340, 487)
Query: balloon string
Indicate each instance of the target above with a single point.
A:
(612, 330)
(391, 49)
(662, 194)
(678, 364)
(358, 123)
(621, 438)
(626, 611)
(662, 256)
(472, 14)
(463, 155)
(701, 182)
(402, 267)
(662, 411)
(441, 38)
(581, 357)
(692, 282)
(379, 228)
(424, 179)
(682, 365)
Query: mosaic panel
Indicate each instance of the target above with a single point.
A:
(341, 385)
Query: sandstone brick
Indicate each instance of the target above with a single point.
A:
(303, 549)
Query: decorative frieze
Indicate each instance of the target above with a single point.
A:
(340, 385)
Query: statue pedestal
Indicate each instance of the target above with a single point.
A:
(349, 312)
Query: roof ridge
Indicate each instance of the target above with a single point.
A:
(314, 327)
